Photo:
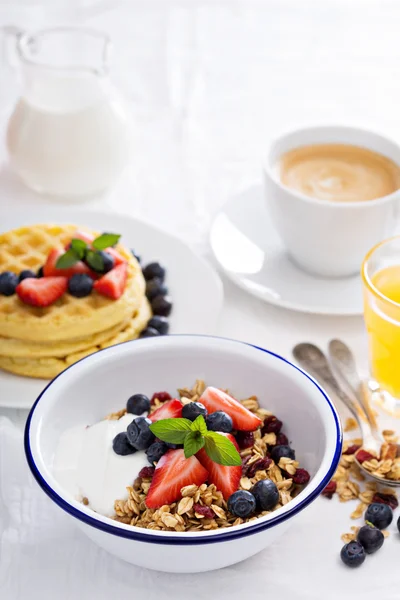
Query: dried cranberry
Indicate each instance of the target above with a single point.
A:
(206, 511)
(389, 499)
(281, 440)
(352, 449)
(271, 425)
(245, 439)
(161, 396)
(259, 465)
(363, 455)
(329, 490)
(301, 477)
(147, 472)
(245, 466)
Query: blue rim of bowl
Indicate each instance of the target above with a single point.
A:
(225, 535)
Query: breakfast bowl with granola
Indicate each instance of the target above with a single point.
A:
(185, 453)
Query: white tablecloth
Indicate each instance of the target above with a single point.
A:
(210, 83)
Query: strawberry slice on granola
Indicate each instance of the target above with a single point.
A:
(173, 472)
(226, 479)
(170, 410)
(243, 420)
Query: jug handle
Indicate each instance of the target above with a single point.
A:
(8, 32)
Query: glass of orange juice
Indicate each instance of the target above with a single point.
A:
(381, 280)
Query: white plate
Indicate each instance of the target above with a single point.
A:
(250, 252)
(192, 313)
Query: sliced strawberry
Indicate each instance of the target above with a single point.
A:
(118, 258)
(112, 284)
(49, 268)
(81, 235)
(243, 420)
(226, 479)
(173, 472)
(170, 410)
(43, 291)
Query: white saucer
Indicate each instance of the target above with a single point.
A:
(192, 313)
(250, 252)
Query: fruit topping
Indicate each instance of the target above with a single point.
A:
(40, 272)
(301, 477)
(8, 283)
(352, 449)
(149, 332)
(271, 425)
(363, 455)
(107, 261)
(279, 452)
(192, 410)
(26, 274)
(219, 421)
(389, 499)
(117, 258)
(226, 478)
(161, 396)
(139, 434)
(162, 305)
(370, 538)
(282, 440)
(261, 464)
(173, 472)
(155, 287)
(159, 323)
(80, 285)
(51, 270)
(138, 404)
(153, 270)
(266, 494)
(146, 472)
(352, 554)
(112, 284)
(81, 235)
(170, 410)
(204, 511)
(156, 451)
(42, 292)
(380, 515)
(242, 504)
(217, 400)
(329, 490)
(121, 445)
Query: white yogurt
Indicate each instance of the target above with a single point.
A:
(85, 464)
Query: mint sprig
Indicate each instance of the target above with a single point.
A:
(80, 250)
(194, 436)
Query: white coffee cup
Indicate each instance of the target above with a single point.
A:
(328, 239)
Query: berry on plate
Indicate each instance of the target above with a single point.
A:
(173, 472)
(149, 332)
(159, 323)
(50, 270)
(242, 504)
(26, 274)
(8, 283)
(136, 255)
(155, 287)
(225, 478)
(139, 434)
(192, 410)
(138, 404)
(170, 410)
(352, 554)
(152, 270)
(380, 515)
(243, 420)
(121, 445)
(80, 285)
(371, 538)
(112, 284)
(219, 421)
(162, 305)
(266, 494)
(42, 292)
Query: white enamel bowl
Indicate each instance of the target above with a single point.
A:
(101, 383)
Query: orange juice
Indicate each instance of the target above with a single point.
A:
(382, 319)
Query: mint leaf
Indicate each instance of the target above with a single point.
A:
(67, 260)
(79, 246)
(194, 441)
(173, 431)
(105, 240)
(221, 450)
(199, 424)
(94, 260)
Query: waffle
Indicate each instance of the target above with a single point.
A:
(68, 318)
(49, 367)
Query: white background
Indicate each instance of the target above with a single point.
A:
(210, 83)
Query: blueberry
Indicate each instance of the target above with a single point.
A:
(352, 554)
(139, 434)
(138, 404)
(136, 255)
(370, 538)
(219, 421)
(162, 305)
(8, 283)
(380, 515)
(159, 323)
(279, 452)
(398, 524)
(156, 451)
(39, 272)
(121, 444)
(26, 274)
(108, 261)
(80, 285)
(173, 446)
(241, 504)
(152, 270)
(155, 287)
(266, 494)
(192, 410)
(149, 332)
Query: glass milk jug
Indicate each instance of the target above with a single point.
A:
(70, 132)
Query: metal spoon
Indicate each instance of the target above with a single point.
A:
(312, 359)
